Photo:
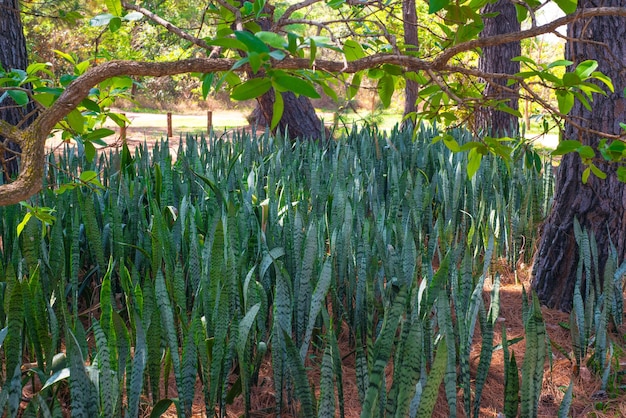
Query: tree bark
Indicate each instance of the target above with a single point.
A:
(497, 59)
(299, 119)
(12, 55)
(411, 40)
(599, 205)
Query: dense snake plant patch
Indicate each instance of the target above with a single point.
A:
(180, 276)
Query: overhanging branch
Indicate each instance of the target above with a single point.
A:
(32, 139)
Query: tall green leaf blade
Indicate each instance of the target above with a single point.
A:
(168, 326)
(301, 381)
(13, 346)
(317, 299)
(429, 397)
(138, 366)
(326, 408)
(108, 391)
(189, 373)
(382, 349)
(511, 389)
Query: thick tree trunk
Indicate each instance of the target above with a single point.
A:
(497, 59)
(12, 55)
(599, 205)
(299, 119)
(409, 21)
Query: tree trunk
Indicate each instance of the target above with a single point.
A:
(599, 205)
(299, 119)
(12, 55)
(409, 21)
(497, 59)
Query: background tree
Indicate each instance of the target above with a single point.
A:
(600, 204)
(13, 55)
(502, 19)
(411, 41)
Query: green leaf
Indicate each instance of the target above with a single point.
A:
(253, 43)
(586, 152)
(606, 80)
(57, 377)
(451, 143)
(20, 97)
(90, 177)
(101, 19)
(91, 105)
(114, 7)
(115, 24)
(429, 397)
(133, 17)
(621, 174)
(162, 406)
(473, 162)
(353, 50)
(277, 110)
(585, 68)
(559, 63)
(296, 85)
(568, 6)
(207, 83)
(76, 121)
(385, 89)
(571, 79)
(597, 172)
(251, 89)
(566, 146)
(255, 60)
(272, 39)
(567, 401)
(330, 92)
(524, 59)
(565, 99)
(585, 176)
(22, 224)
(230, 43)
(354, 85)
(90, 151)
(312, 51)
(99, 134)
(435, 5)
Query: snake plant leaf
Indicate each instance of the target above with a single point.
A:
(429, 397)
(317, 300)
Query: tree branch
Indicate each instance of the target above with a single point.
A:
(168, 25)
(585, 13)
(32, 139)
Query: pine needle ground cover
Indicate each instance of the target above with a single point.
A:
(258, 276)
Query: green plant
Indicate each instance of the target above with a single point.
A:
(257, 248)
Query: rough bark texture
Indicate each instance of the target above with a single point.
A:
(599, 205)
(497, 59)
(299, 118)
(12, 55)
(409, 21)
